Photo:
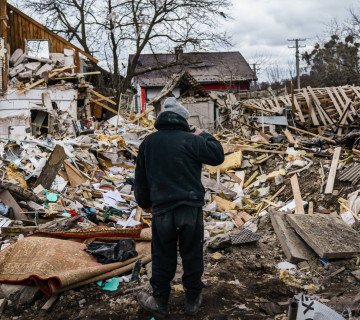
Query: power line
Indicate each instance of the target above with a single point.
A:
(297, 57)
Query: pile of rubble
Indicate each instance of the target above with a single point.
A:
(281, 217)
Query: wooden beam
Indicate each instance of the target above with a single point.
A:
(311, 109)
(103, 97)
(138, 117)
(312, 134)
(332, 173)
(323, 115)
(289, 137)
(102, 105)
(51, 168)
(311, 208)
(53, 74)
(297, 195)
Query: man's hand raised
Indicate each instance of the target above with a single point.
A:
(197, 131)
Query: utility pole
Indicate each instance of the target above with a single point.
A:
(297, 56)
(255, 76)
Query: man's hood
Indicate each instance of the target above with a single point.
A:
(169, 120)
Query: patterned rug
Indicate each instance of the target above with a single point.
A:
(56, 265)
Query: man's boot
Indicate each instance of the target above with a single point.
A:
(192, 303)
(158, 306)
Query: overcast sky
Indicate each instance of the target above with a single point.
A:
(262, 27)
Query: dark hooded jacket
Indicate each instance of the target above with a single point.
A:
(169, 163)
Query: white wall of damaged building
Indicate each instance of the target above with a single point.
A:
(16, 121)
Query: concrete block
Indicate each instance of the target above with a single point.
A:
(294, 247)
(328, 236)
(20, 60)
(16, 55)
(25, 75)
(16, 70)
(45, 68)
(33, 66)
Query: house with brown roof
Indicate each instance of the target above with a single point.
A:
(213, 70)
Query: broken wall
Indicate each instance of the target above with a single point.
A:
(15, 110)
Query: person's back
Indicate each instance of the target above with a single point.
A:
(173, 158)
(168, 183)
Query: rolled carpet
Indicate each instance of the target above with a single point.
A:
(56, 264)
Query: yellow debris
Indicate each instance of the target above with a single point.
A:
(232, 161)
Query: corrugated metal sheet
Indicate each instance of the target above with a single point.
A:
(351, 174)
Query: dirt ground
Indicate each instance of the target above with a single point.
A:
(243, 284)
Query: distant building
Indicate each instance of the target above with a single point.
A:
(213, 70)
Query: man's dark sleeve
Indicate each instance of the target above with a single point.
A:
(210, 150)
(142, 191)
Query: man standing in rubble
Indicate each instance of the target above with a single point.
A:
(168, 183)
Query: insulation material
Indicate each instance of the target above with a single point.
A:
(232, 161)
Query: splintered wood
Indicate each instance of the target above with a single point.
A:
(335, 106)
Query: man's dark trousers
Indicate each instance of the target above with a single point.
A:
(184, 223)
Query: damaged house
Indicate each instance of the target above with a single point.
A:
(42, 87)
(214, 71)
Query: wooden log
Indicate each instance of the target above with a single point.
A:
(297, 195)
(51, 168)
(332, 174)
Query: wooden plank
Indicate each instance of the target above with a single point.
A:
(333, 100)
(311, 109)
(138, 213)
(74, 175)
(332, 173)
(327, 235)
(103, 97)
(323, 115)
(297, 107)
(224, 204)
(311, 208)
(53, 74)
(102, 105)
(346, 100)
(334, 89)
(9, 200)
(50, 301)
(138, 117)
(51, 167)
(312, 134)
(297, 195)
(289, 137)
(233, 176)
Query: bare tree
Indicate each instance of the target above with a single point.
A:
(110, 28)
